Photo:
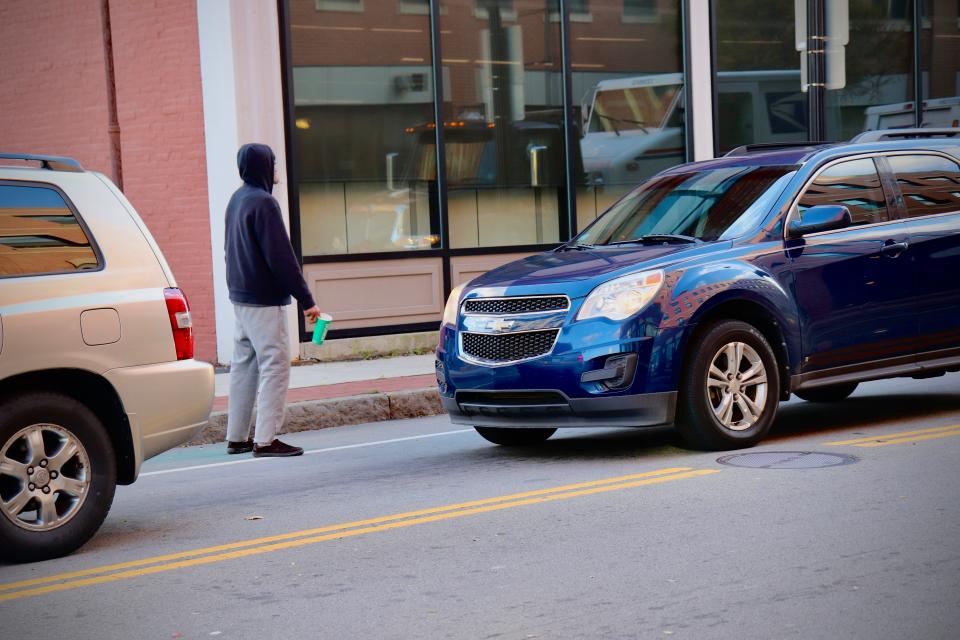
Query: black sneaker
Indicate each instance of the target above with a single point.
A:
(239, 447)
(276, 449)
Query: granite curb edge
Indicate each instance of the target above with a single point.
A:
(310, 415)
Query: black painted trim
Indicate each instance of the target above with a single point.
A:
(816, 70)
(440, 142)
(901, 366)
(566, 69)
(643, 410)
(714, 82)
(293, 188)
(434, 253)
(383, 330)
(687, 89)
(917, 69)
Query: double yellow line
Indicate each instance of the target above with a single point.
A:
(902, 437)
(244, 548)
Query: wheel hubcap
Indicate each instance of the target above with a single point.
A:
(44, 477)
(737, 386)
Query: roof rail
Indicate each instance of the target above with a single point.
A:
(53, 163)
(773, 146)
(904, 134)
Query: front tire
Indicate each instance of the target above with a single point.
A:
(730, 388)
(834, 393)
(515, 437)
(58, 474)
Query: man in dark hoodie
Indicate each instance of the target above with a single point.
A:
(262, 274)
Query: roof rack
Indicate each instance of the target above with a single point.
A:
(773, 146)
(53, 163)
(905, 134)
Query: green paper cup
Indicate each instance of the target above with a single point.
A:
(320, 329)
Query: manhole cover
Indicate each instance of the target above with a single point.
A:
(786, 460)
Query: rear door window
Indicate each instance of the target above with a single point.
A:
(39, 233)
(929, 184)
(854, 184)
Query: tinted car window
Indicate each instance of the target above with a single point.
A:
(854, 184)
(700, 204)
(929, 184)
(39, 233)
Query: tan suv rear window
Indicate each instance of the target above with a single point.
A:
(40, 234)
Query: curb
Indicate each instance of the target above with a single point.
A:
(335, 412)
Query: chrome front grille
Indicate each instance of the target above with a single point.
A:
(500, 348)
(510, 306)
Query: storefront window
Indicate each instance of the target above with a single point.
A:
(870, 81)
(363, 115)
(759, 92)
(940, 62)
(502, 122)
(627, 75)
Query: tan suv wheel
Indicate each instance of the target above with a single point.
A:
(57, 476)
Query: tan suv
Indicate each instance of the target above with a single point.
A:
(96, 354)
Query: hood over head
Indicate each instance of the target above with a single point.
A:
(256, 162)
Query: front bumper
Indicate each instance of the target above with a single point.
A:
(166, 403)
(550, 409)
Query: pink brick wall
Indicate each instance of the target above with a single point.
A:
(160, 109)
(54, 83)
(54, 100)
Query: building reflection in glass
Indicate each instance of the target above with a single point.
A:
(362, 79)
(627, 73)
(940, 62)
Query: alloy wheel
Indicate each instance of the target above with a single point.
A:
(44, 477)
(737, 386)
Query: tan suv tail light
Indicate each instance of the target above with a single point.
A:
(180, 322)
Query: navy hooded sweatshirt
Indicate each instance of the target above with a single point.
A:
(262, 268)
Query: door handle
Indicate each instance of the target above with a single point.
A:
(893, 249)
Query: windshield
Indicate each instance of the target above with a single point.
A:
(701, 205)
(633, 108)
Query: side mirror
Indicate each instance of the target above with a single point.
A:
(823, 217)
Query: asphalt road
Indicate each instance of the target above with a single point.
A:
(420, 529)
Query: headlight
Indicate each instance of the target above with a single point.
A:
(623, 297)
(453, 303)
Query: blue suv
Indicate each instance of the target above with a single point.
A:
(715, 290)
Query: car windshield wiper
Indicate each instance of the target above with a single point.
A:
(576, 247)
(656, 238)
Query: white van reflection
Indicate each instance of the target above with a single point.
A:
(632, 128)
(937, 112)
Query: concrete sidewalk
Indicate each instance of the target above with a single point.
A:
(331, 394)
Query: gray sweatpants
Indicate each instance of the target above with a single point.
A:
(261, 363)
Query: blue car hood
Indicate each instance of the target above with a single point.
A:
(576, 273)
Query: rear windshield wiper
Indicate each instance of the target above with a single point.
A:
(658, 238)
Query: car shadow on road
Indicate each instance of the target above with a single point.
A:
(857, 415)
(599, 444)
(867, 412)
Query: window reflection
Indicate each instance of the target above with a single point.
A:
(702, 205)
(759, 95)
(39, 234)
(940, 62)
(362, 81)
(627, 74)
(929, 184)
(878, 78)
(502, 121)
(855, 185)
